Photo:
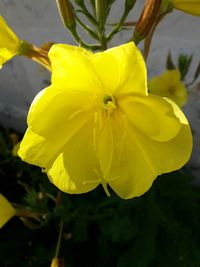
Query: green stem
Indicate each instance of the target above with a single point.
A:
(118, 26)
(102, 40)
(87, 14)
(81, 43)
(101, 16)
(59, 239)
(87, 28)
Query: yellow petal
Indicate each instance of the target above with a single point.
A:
(123, 161)
(7, 36)
(6, 211)
(76, 169)
(189, 6)
(153, 115)
(121, 70)
(107, 71)
(42, 151)
(142, 159)
(109, 140)
(53, 110)
(72, 70)
(9, 42)
(133, 174)
(5, 55)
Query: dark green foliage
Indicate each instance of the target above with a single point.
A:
(159, 229)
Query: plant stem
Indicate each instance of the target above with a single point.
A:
(81, 43)
(87, 28)
(59, 239)
(118, 26)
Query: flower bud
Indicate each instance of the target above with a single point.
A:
(9, 42)
(147, 19)
(66, 12)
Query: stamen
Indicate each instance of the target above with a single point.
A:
(104, 184)
(107, 98)
(109, 103)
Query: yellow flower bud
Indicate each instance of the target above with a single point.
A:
(55, 262)
(189, 6)
(6, 211)
(9, 42)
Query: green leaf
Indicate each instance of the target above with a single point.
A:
(169, 63)
(184, 63)
(197, 72)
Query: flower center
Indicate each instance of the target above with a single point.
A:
(171, 90)
(109, 103)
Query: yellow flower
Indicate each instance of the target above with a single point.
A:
(6, 210)
(96, 124)
(9, 42)
(169, 84)
(189, 6)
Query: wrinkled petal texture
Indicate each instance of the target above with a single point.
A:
(169, 84)
(6, 211)
(141, 158)
(117, 70)
(189, 6)
(82, 140)
(9, 42)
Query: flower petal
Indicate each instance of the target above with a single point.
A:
(7, 37)
(153, 115)
(42, 151)
(121, 69)
(5, 55)
(53, 111)
(131, 172)
(9, 42)
(6, 211)
(76, 169)
(141, 162)
(72, 69)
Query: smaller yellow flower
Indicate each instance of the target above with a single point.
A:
(169, 84)
(9, 42)
(189, 6)
(6, 211)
